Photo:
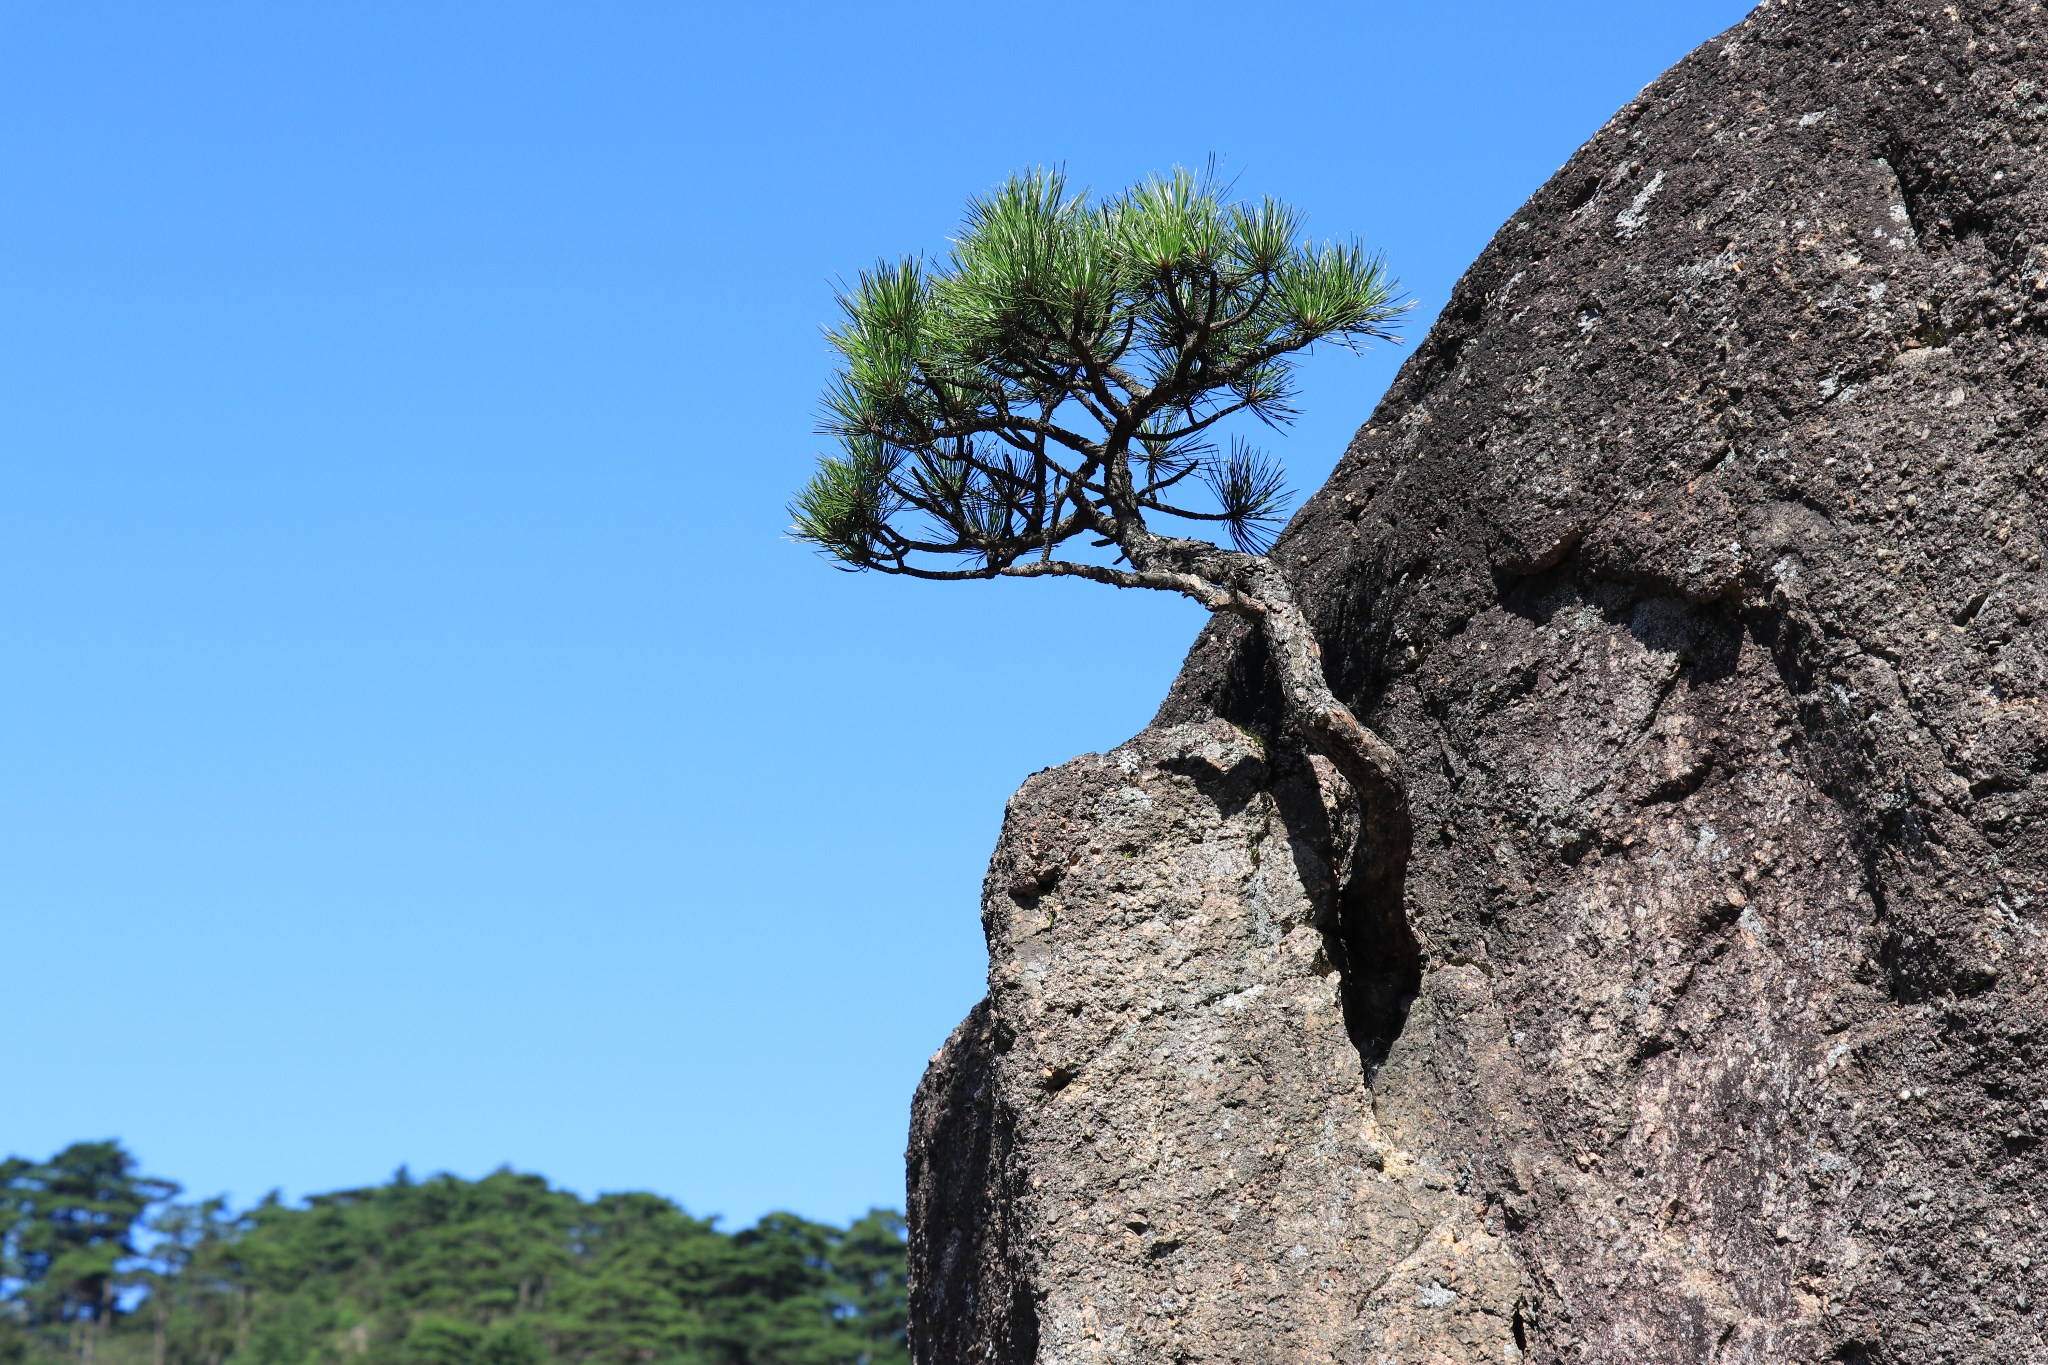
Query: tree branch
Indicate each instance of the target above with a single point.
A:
(1210, 595)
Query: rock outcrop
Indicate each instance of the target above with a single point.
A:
(1692, 565)
(1187, 1158)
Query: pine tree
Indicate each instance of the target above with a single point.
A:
(441, 1271)
(67, 1234)
(1052, 391)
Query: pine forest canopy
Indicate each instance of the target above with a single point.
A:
(102, 1266)
(1056, 386)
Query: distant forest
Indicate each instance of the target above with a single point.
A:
(101, 1265)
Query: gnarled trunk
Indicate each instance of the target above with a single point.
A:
(1252, 586)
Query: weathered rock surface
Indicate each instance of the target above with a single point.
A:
(1693, 567)
(1190, 1165)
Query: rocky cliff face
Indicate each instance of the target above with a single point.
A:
(1693, 567)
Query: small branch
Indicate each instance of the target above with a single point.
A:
(1158, 485)
(1197, 425)
(1210, 595)
(1246, 313)
(1173, 511)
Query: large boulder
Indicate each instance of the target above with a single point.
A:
(1693, 568)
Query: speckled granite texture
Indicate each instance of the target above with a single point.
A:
(1692, 566)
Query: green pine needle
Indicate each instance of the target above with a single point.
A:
(1066, 337)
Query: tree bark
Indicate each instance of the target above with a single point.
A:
(1252, 586)
(1379, 861)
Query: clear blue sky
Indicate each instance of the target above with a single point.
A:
(417, 741)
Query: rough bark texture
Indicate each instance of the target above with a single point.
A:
(1692, 568)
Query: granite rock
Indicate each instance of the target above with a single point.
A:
(1692, 566)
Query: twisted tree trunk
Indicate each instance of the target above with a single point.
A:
(1253, 587)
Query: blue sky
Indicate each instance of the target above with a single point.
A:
(418, 742)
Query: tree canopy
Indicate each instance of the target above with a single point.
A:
(67, 1225)
(499, 1271)
(1064, 372)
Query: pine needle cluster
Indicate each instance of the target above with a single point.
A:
(1063, 373)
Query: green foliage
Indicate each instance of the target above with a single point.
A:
(65, 1226)
(442, 1341)
(498, 1271)
(1058, 374)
